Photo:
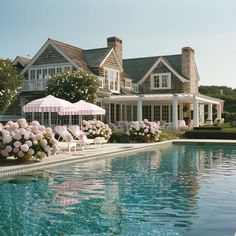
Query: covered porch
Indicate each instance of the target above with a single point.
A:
(162, 107)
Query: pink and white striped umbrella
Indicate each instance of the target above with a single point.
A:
(49, 104)
(85, 108)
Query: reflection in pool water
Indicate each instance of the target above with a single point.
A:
(182, 190)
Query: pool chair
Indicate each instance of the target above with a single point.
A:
(79, 135)
(66, 136)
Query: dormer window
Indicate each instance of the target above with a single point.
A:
(135, 88)
(112, 80)
(161, 81)
(128, 83)
(101, 82)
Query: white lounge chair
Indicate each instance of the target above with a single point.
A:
(79, 135)
(66, 136)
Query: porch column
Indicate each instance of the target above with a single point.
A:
(209, 117)
(195, 112)
(49, 119)
(218, 108)
(181, 114)
(139, 110)
(175, 112)
(115, 113)
(152, 112)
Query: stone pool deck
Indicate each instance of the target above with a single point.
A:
(12, 167)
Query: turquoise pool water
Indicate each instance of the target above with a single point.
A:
(182, 190)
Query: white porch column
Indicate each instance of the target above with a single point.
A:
(114, 112)
(201, 114)
(195, 112)
(139, 110)
(209, 117)
(218, 108)
(181, 114)
(175, 112)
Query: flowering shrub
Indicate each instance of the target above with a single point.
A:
(20, 139)
(96, 128)
(144, 131)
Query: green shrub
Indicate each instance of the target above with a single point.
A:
(207, 128)
(210, 134)
(164, 136)
(118, 137)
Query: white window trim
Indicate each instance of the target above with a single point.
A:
(128, 81)
(116, 71)
(47, 67)
(160, 82)
(102, 80)
(135, 88)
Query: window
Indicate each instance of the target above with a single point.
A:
(51, 71)
(39, 74)
(45, 72)
(128, 83)
(112, 80)
(32, 74)
(101, 82)
(59, 70)
(161, 81)
(135, 88)
(67, 68)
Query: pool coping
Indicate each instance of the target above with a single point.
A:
(111, 151)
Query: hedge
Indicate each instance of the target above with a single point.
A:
(213, 134)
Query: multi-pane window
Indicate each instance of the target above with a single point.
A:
(135, 88)
(43, 73)
(161, 81)
(112, 80)
(157, 113)
(32, 74)
(165, 113)
(147, 112)
(39, 74)
(128, 83)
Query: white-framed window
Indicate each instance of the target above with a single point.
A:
(112, 80)
(161, 81)
(128, 83)
(44, 72)
(101, 82)
(135, 88)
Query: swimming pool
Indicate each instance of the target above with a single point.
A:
(181, 190)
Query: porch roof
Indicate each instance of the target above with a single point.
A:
(181, 97)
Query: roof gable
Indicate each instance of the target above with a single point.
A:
(21, 60)
(140, 68)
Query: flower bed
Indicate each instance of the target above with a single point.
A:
(22, 140)
(144, 131)
(96, 128)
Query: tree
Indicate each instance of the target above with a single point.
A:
(10, 81)
(73, 86)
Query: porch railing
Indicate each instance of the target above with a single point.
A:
(34, 85)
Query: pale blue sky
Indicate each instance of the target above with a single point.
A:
(147, 28)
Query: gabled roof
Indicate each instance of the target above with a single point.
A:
(138, 67)
(74, 53)
(95, 57)
(22, 60)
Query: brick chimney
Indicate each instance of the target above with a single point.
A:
(189, 70)
(116, 43)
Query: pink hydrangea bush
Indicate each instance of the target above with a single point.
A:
(20, 139)
(144, 131)
(96, 128)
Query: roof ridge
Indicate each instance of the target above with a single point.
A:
(151, 57)
(93, 49)
(66, 44)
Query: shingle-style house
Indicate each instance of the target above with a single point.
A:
(157, 88)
